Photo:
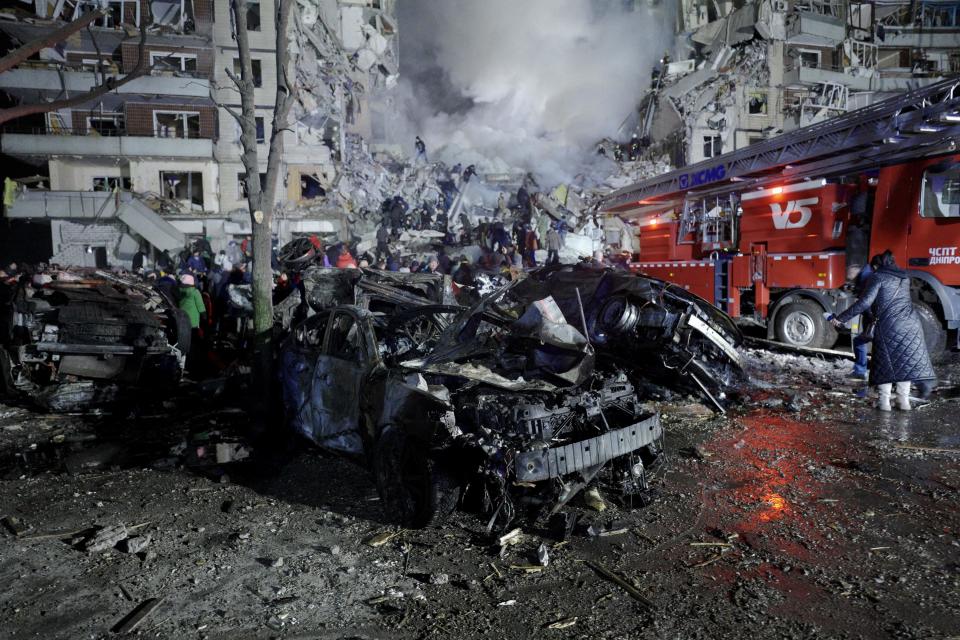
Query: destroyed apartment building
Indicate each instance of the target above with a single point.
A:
(758, 69)
(154, 163)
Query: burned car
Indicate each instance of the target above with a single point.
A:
(501, 405)
(72, 339)
(653, 329)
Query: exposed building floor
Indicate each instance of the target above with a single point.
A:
(803, 514)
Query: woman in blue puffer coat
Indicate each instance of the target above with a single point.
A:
(900, 353)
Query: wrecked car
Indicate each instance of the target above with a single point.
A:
(653, 329)
(500, 406)
(71, 339)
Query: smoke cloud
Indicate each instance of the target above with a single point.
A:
(527, 85)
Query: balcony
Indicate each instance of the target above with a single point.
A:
(801, 76)
(40, 144)
(48, 79)
(921, 38)
(817, 30)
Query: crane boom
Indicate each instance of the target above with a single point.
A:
(921, 122)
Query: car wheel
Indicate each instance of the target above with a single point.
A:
(933, 332)
(416, 492)
(801, 324)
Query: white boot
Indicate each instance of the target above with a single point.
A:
(903, 396)
(884, 402)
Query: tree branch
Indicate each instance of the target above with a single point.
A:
(142, 68)
(17, 56)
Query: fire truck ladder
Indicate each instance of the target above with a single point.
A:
(923, 122)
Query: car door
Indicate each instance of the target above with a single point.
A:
(298, 360)
(337, 380)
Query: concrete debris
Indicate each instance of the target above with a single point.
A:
(134, 544)
(16, 526)
(104, 538)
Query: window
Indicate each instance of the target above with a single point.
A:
(176, 124)
(712, 146)
(757, 103)
(261, 130)
(345, 339)
(940, 197)
(187, 187)
(310, 187)
(105, 124)
(253, 15)
(255, 65)
(242, 183)
(118, 12)
(109, 183)
(810, 58)
(185, 62)
(940, 15)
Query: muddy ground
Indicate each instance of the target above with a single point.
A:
(804, 513)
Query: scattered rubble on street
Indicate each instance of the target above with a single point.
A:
(783, 523)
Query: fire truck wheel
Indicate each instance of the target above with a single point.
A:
(801, 324)
(933, 332)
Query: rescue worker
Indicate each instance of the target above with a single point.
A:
(553, 245)
(899, 350)
(421, 149)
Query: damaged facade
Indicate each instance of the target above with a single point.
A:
(155, 163)
(761, 68)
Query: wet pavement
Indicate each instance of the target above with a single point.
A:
(804, 513)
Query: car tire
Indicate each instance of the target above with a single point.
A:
(415, 490)
(933, 332)
(801, 324)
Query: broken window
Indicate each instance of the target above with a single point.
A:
(712, 146)
(256, 68)
(242, 183)
(117, 12)
(176, 124)
(940, 15)
(184, 62)
(184, 186)
(757, 103)
(109, 183)
(261, 129)
(173, 13)
(940, 197)
(253, 15)
(809, 58)
(345, 339)
(310, 187)
(105, 125)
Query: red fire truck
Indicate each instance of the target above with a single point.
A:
(773, 233)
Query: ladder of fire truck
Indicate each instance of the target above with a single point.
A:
(919, 123)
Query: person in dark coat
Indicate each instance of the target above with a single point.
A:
(899, 350)
(865, 337)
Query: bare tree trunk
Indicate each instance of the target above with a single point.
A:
(261, 197)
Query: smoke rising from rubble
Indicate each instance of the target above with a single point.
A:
(530, 85)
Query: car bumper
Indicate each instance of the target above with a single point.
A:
(543, 464)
